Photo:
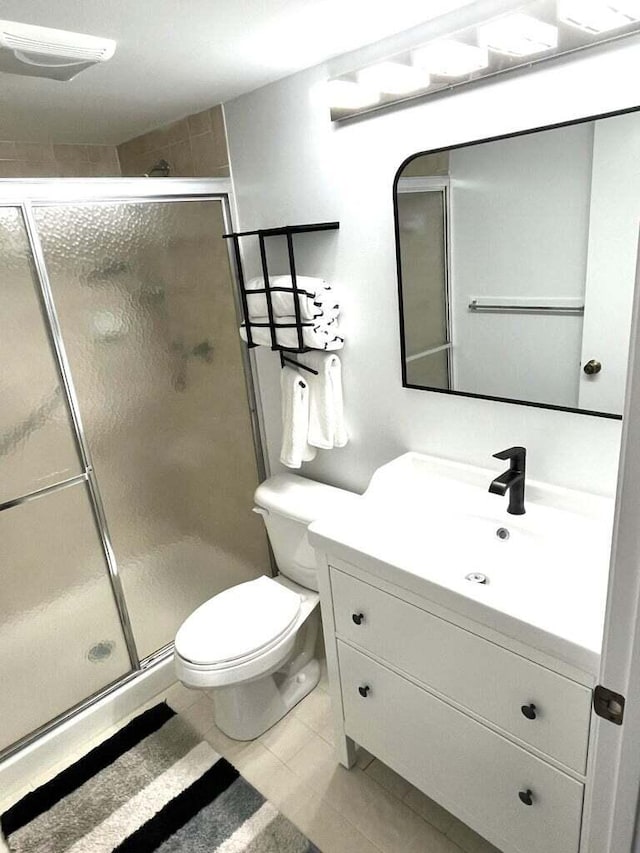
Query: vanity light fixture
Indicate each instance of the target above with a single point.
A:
(598, 16)
(450, 58)
(518, 35)
(485, 39)
(394, 78)
(349, 95)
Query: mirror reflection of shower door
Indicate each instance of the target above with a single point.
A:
(145, 299)
(422, 221)
(60, 634)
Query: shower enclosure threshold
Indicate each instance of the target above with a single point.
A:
(29, 762)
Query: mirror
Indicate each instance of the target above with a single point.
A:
(517, 263)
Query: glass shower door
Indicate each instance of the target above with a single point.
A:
(144, 295)
(60, 633)
(37, 443)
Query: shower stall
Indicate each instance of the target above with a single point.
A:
(129, 448)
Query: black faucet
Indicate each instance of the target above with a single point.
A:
(513, 479)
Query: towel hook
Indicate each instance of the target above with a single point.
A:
(284, 358)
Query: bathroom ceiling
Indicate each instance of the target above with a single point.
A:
(175, 57)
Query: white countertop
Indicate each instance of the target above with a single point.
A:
(425, 523)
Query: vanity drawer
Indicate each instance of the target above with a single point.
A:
(467, 768)
(489, 680)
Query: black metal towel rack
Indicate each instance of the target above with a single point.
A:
(286, 231)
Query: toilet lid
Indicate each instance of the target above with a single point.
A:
(238, 622)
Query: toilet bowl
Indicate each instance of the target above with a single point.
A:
(254, 644)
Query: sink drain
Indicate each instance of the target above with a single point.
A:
(477, 577)
(502, 533)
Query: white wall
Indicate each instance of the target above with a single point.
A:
(290, 164)
(519, 227)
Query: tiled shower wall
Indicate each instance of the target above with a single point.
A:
(194, 147)
(45, 160)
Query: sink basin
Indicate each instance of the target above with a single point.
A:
(431, 526)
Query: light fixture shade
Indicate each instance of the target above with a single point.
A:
(348, 95)
(630, 8)
(394, 78)
(598, 16)
(450, 58)
(518, 35)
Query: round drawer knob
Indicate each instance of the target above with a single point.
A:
(358, 618)
(525, 797)
(529, 711)
(592, 367)
(364, 691)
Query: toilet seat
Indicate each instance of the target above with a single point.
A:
(257, 663)
(238, 625)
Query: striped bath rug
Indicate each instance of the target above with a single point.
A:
(154, 785)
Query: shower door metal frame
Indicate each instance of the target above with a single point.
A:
(25, 195)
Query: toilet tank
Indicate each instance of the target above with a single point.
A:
(288, 504)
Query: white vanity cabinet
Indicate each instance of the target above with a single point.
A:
(480, 694)
(494, 737)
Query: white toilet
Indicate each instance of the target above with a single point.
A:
(255, 643)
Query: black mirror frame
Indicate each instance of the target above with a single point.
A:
(403, 165)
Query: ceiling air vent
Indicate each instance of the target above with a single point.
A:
(44, 52)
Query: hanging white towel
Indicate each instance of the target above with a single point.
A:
(295, 419)
(326, 409)
(317, 298)
(322, 336)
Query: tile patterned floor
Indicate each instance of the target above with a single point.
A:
(369, 809)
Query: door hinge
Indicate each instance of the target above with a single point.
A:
(608, 705)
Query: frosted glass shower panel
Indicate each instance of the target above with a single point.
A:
(60, 633)
(145, 300)
(37, 445)
(423, 257)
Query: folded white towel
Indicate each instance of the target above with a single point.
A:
(316, 298)
(326, 409)
(295, 419)
(323, 336)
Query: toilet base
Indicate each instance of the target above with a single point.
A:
(245, 711)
